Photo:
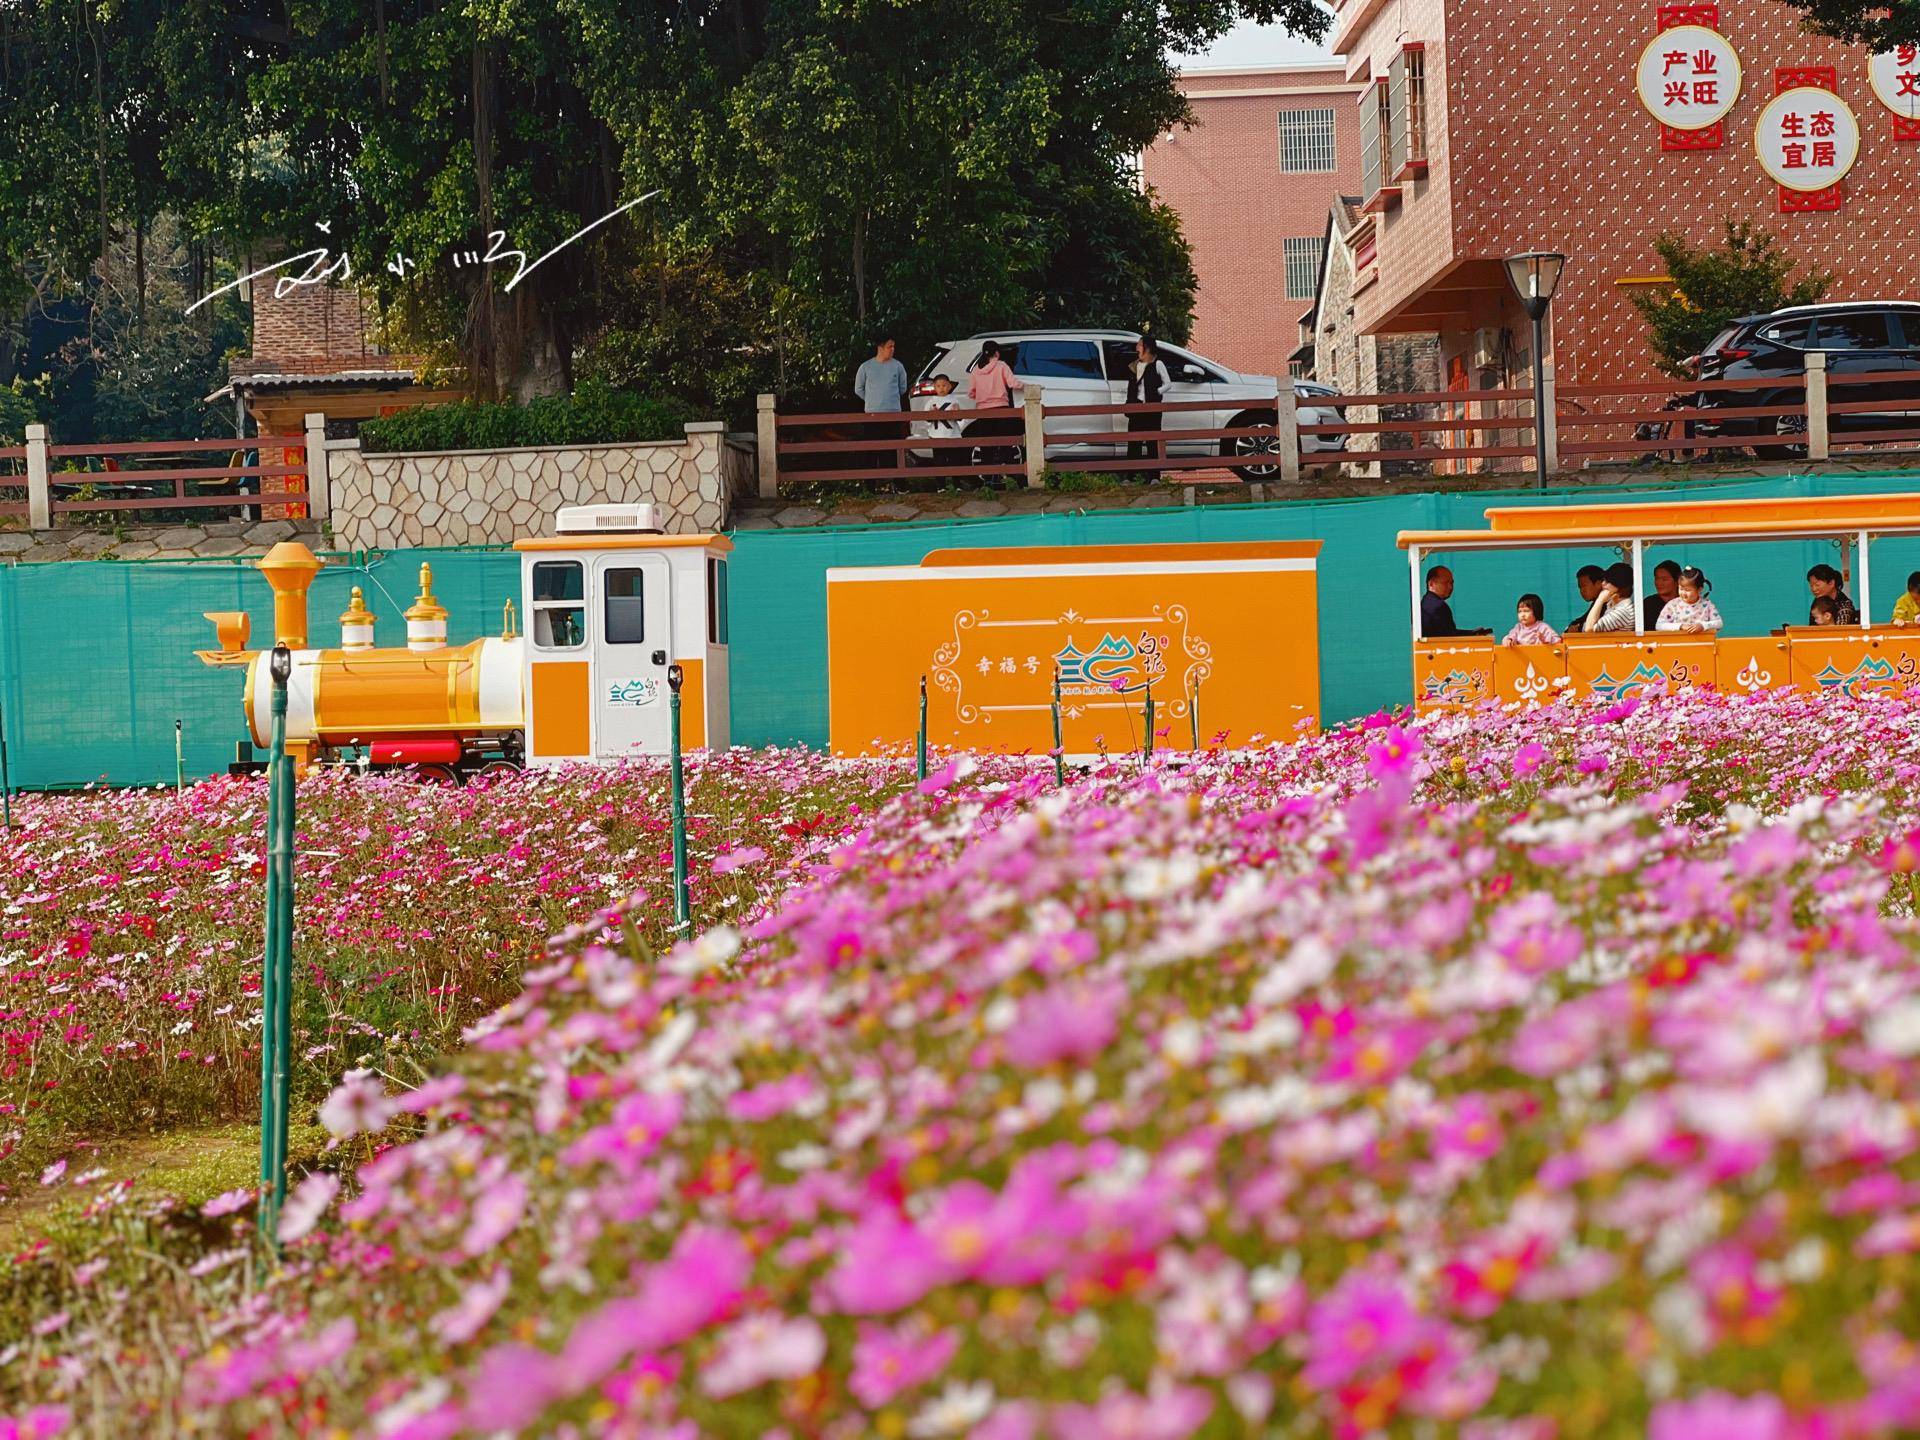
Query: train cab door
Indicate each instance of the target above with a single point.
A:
(632, 651)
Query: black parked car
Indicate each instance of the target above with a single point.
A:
(1858, 338)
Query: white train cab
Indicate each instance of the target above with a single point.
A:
(610, 603)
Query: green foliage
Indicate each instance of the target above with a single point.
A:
(1877, 24)
(17, 411)
(595, 414)
(1746, 275)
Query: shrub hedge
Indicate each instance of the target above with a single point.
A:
(594, 414)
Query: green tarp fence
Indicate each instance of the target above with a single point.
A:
(96, 657)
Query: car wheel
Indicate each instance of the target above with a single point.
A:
(1256, 457)
(1001, 449)
(1791, 428)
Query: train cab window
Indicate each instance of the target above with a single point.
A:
(626, 604)
(559, 605)
(716, 602)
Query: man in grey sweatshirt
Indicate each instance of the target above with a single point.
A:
(881, 384)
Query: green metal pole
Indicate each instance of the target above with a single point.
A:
(1059, 743)
(179, 760)
(920, 763)
(273, 1000)
(1147, 752)
(283, 986)
(682, 908)
(6, 780)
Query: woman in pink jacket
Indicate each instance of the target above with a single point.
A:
(991, 387)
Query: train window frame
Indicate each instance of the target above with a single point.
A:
(716, 601)
(540, 625)
(612, 631)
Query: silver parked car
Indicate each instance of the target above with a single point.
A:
(1090, 367)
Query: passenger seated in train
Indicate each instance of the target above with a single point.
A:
(1690, 612)
(1589, 578)
(1825, 583)
(1823, 611)
(1530, 626)
(1612, 608)
(1906, 610)
(1666, 585)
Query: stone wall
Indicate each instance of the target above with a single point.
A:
(493, 497)
(223, 539)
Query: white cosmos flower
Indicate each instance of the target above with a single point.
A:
(956, 1410)
(1896, 1030)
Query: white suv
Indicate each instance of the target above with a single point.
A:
(1090, 367)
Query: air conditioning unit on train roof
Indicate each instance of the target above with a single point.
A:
(602, 519)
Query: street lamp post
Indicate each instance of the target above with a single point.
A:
(1535, 276)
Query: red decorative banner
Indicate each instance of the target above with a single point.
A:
(1715, 135)
(1818, 77)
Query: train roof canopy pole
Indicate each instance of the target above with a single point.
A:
(1639, 587)
(1866, 586)
(1413, 559)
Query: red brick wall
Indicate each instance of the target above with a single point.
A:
(311, 323)
(1538, 141)
(1236, 205)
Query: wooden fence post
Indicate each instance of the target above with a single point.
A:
(1033, 415)
(1819, 425)
(768, 447)
(1549, 419)
(1286, 426)
(39, 488)
(319, 482)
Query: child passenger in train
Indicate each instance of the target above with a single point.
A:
(1530, 628)
(1824, 610)
(1691, 612)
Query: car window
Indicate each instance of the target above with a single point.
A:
(1060, 360)
(1120, 358)
(1176, 358)
(1856, 330)
(1009, 352)
(1791, 333)
(1909, 321)
(933, 365)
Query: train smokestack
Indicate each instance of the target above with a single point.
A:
(356, 625)
(427, 617)
(290, 568)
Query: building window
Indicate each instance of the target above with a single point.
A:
(1406, 116)
(1376, 139)
(1303, 265)
(1307, 141)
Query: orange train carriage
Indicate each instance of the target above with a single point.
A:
(1460, 671)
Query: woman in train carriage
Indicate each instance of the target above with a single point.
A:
(1825, 583)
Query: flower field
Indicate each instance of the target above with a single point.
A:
(1515, 1077)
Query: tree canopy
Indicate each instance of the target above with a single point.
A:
(1877, 24)
(819, 170)
(1745, 275)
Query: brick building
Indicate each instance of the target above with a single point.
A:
(317, 348)
(1252, 180)
(1490, 127)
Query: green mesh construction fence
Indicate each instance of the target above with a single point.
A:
(96, 657)
(779, 594)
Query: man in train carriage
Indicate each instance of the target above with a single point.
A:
(1589, 578)
(1613, 606)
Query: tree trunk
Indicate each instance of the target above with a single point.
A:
(139, 269)
(482, 327)
(99, 134)
(380, 29)
(860, 265)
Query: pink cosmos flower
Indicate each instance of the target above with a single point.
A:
(358, 1104)
(227, 1203)
(1069, 1021)
(1470, 1130)
(51, 1175)
(888, 1361)
(42, 1422)
(1374, 817)
(496, 1214)
(1901, 854)
(1716, 1415)
(699, 1283)
(1364, 1324)
(773, 1099)
(508, 1387)
(1377, 1055)
(1528, 758)
(885, 1265)
(307, 1204)
(1393, 753)
(738, 859)
(639, 1123)
(760, 1348)
(477, 1303)
(1530, 935)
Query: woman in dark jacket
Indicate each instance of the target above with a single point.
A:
(1146, 385)
(1824, 581)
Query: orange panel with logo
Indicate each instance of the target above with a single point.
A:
(1233, 626)
(1530, 674)
(1851, 660)
(1452, 674)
